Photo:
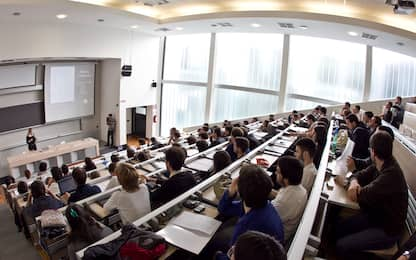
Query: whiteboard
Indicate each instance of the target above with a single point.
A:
(17, 76)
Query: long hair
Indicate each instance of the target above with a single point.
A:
(83, 226)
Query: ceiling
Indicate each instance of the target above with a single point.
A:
(324, 18)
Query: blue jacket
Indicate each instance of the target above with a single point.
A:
(265, 220)
(83, 191)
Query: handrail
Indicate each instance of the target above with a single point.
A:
(201, 186)
(300, 240)
(402, 138)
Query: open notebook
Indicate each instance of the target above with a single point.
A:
(190, 231)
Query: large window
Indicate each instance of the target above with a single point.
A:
(325, 69)
(182, 106)
(393, 74)
(247, 75)
(184, 84)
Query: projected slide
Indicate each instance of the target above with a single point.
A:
(69, 90)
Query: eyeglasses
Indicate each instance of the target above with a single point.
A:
(230, 252)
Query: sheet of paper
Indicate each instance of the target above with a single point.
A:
(283, 143)
(341, 162)
(196, 222)
(192, 152)
(276, 149)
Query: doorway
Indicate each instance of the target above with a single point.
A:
(139, 122)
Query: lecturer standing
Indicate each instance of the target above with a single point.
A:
(31, 140)
(111, 123)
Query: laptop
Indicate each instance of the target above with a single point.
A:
(67, 184)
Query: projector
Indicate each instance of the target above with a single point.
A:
(402, 6)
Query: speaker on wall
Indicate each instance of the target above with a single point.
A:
(126, 70)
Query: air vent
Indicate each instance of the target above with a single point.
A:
(154, 2)
(369, 36)
(286, 25)
(222, 25)
(163, 29)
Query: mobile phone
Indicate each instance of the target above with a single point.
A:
(199, 209)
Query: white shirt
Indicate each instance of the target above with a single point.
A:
(290, 203)
(54, 188)
(112, 183)
(131, 205)
(308, 178)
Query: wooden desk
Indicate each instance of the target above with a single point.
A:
(338, 195)
(26, 158)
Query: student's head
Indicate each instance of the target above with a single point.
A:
(130, 152)
(142, 156)
(228, 130)
(111, 168)
(398, 100)
(153, 140)
(175, 157)
(202, 145)
(172, 131)
(110, 115)
(203, 136)
(128, 177)
(383, 128)
(319, 134)
(317, 110)
(255, 245)
(28, 174)
(177, 135)
(88, 161)
(265, 123)
(79, 175)
(254, 186)
(115, 157)
(64, 169)
(389, 105)
(375, 122)
(356, 109)
(322, 111)
(236, 132)
(142, 141)
(22, 187)
(48, 180)
(9, 180)
(56, 173)
(37, 188)
(352, 121)
(191, 139)
(381, 145)
(43, 166)
(241, 144)
(311, 119)
(346, 112)
(83, 226)
(367, 116)
(29, 131)
(289, 171)
(94, 175)
(271, 117)
(217, 133)
(221, 160)
(305, 149)
(347, 105)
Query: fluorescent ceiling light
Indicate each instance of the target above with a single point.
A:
(134, 26)
(353, 34)
(179, 28)
(303, 27)
(255, 25)
(61, 16)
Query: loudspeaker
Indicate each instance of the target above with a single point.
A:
(126, 70)
(153, 84)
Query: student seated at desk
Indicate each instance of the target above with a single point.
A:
(254, 210)
(374, 122)
(27, 174)
(291, 199)
(319, 137)
(43, 167)
(133, 200)
(367, 117)
(381, 192)
(202, 145)
(305, 152)
(83, 190)
(84, 229)
(65, 169)
(22, 187)
(89, 164)
(114, 180)
(256, 245)
(241, 147)
(216, 137)
(235, 132)
(221, 161)
(178, 182)
(41, 201)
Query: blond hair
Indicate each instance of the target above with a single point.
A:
(127, 176)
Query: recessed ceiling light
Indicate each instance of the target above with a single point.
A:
(400, 43)
(255, 25)
(179, 28)
(303, 27)
(100, 20)
(61, 16)
(353, 34)
(16, 13)
(134, 26)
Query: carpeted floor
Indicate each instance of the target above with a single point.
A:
(13, 245)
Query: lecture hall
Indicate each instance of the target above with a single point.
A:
(207, 129)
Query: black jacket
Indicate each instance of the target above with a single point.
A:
(361, 137)
(384, 196)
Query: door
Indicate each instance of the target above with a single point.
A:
(139, 124)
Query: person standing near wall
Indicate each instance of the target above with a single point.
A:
(31, 140)
(111, 123)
